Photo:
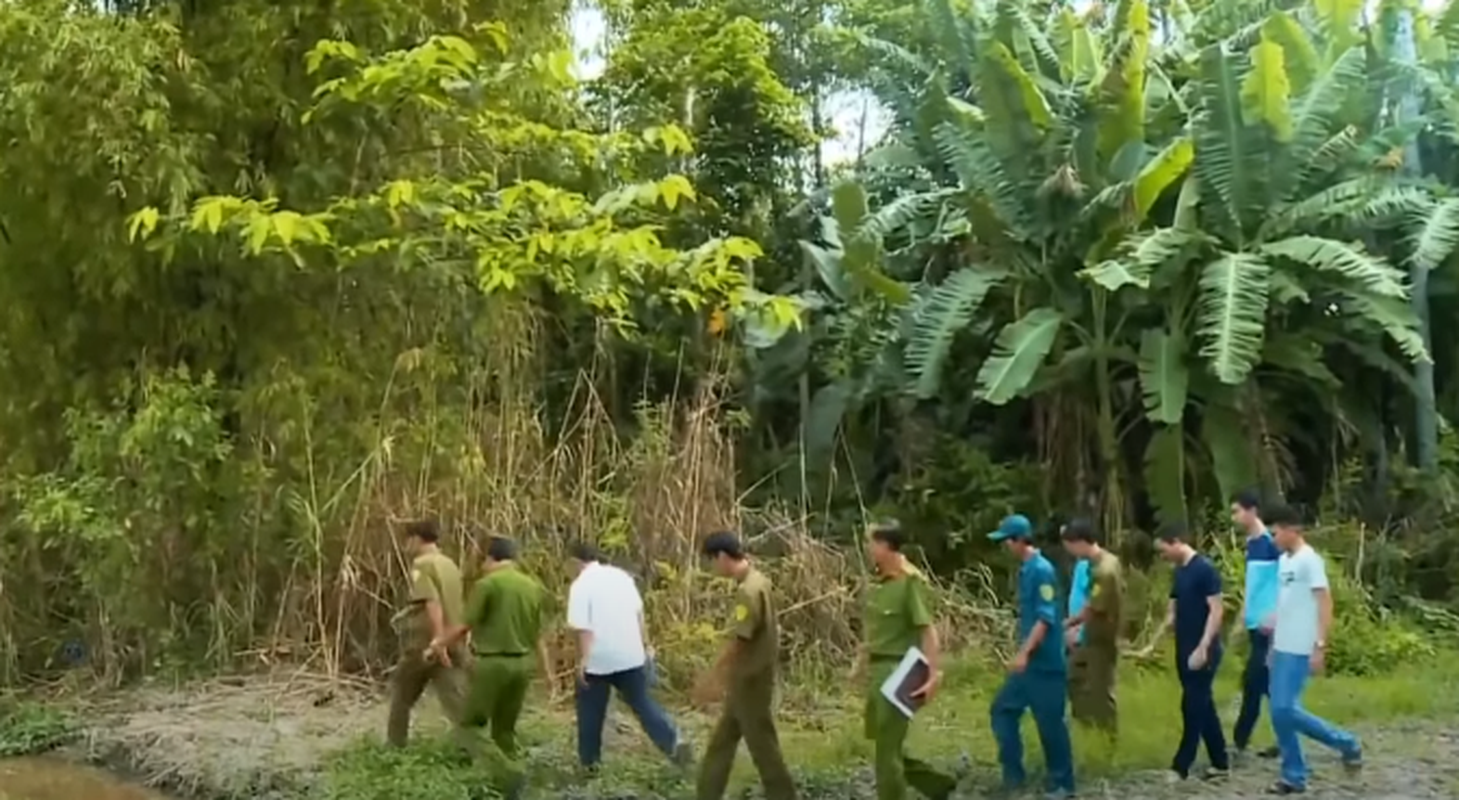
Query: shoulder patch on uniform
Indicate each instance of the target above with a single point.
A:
(742, 612)
(1046, 591)
(414, 575)
(1095, 591)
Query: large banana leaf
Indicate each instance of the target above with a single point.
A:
(948, 310)
(1122, 95)
(1266, 90)
(1372, 273)
(1164, 380)
(1165, 472)
(1437, 235)
(1226, 157)
(1232, 318)
(1224, 432)
(1021, 347)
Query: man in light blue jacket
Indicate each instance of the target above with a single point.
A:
(1259, 602)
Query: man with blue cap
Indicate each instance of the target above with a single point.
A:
(1037, 674)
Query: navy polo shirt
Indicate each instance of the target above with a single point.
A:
(1195, 583)
(1038, 601)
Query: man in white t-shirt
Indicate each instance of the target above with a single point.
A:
(605, 610)
(1299, 631)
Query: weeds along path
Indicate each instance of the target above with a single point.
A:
(267, 739)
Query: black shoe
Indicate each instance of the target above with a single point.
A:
(1282, 787)
(1270, 752)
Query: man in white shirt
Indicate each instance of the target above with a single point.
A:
(606, 611)
(1299, 642)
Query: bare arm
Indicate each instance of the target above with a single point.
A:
(931, 647)
(1035, 638)
(438, 620)
(1213, 620)
(1324, 613)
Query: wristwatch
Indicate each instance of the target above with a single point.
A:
(1321, 645)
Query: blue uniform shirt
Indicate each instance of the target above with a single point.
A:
(1195, 584)
(1079, 592)
(1038, 601)
(1261, 579)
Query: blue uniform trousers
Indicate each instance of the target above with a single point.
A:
(1042, 694)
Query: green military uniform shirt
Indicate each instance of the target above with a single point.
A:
(896, 612)
(506, 612)
(434, 577)
(1102, 626)
(759, 633)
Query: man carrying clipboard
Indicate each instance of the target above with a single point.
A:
(1037, 674)
(897, 622)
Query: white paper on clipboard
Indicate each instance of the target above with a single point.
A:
(909, 676)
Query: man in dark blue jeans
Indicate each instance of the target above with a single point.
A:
(1257, 604)
(1195, 613)
(605, 609)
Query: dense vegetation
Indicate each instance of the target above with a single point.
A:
(278, 275)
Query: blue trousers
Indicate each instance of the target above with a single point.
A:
(1043, 694)
(633, 686)
(1255, 683)
(1292, 722)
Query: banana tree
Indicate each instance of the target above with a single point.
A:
(1256, 269)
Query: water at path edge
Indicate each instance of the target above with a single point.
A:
(42, 778)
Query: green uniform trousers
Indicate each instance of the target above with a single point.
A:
(412, 674)
(747, 715)
(1092, 673)
(887, 728)
(499, 685)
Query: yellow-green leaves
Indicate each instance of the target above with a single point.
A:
(141, 224)
(1014, 98)
(1160, 173)
(1122, 95)
(671, 138)
(1302, 61)
(1266, 91)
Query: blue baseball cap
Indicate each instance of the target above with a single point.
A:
(1014, 526)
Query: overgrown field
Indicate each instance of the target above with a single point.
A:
(306, 737)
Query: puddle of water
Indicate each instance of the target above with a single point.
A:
(53, 779)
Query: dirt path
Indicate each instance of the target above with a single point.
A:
(268, 739)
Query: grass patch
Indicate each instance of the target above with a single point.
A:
(30, 728)
(822, 738)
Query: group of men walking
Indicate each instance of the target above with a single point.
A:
(1065, 653)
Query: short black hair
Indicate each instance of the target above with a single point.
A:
(723, 543)
(889, 533)
(1080, 529)
(1248, 499)
(427, 530)
(1174, 531)
(500, 548)
(582, 551)
(1282, 516)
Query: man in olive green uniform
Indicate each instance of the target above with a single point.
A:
(897, 618)
(1094, 631)
(748, 665)
(434, 610)
(505, 615)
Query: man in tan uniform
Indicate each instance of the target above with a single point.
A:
(434, 611)
(748, 665)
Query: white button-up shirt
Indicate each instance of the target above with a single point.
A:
(604, 600)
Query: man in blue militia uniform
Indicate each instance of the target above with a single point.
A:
(1037, 675)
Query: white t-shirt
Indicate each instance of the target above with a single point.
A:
(1298, 575)
(605, 601)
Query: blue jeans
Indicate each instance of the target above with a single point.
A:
(1043, 694)
(1291, 721)
(592, 707)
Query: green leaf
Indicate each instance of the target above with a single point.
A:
(1232, 314)
(1302, 61)
(948, 310)
(1266, 91)
(1436, 235)
(823, 420)
(1161, 171)
(1348, 262)
(1227, 165)
(1165, 473)
(1122, 95)
(1163, 376)
(1224, 432)
(1021, 347)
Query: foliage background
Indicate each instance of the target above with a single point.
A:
(279, 276)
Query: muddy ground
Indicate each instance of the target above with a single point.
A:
(267, 738)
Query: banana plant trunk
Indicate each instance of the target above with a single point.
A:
(1113, 507)
(1426, 413)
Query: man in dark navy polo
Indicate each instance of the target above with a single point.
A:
(1037, 675)
(1195, 614)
